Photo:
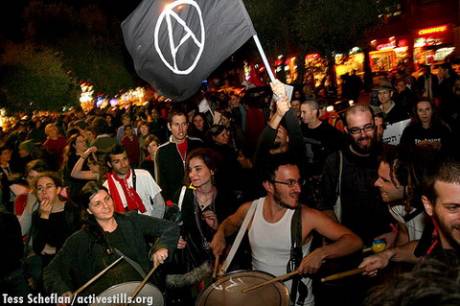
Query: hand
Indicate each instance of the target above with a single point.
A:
(89, 151)
(211, 219)
(45, 208)
(311, 263)
(278, 89)
(389, 237)
(181, 244)
(218, 243)
(159, 256)
(375, 262)
(244, 161)
(282, 106)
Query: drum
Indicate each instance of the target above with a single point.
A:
(227, 291)
(119, 294)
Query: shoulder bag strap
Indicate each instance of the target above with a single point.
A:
(181, 197)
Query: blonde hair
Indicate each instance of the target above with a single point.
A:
(48, 128)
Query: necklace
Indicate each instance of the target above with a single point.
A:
(204, 199)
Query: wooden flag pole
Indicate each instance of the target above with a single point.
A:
(264, 58)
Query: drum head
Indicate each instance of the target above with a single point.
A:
(227, 291)
(119, 294)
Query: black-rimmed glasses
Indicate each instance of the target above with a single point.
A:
(291, 183)
(367, 128)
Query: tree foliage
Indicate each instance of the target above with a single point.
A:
(313, 25)
(273, 22)
(83, 43)
(98, 62)
(334, 25)
(92, 47)
(34, 77)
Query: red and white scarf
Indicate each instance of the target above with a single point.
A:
(133, 199)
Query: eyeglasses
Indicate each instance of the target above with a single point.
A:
(45, 188)
(367, 128)
(291, 183)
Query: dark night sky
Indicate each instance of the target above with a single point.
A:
(11, 20)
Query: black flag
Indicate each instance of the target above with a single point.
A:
(177, 44)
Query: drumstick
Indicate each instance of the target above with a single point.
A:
(216, 266)
(342, 275)
(274, 280)
(144, 281)
(79, 290)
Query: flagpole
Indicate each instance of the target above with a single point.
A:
(264, 58)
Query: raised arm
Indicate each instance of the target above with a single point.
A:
(77, 171)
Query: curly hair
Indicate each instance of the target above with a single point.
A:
(434, 281)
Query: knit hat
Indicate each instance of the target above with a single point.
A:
(27, 145)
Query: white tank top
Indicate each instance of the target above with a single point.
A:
(271, 246)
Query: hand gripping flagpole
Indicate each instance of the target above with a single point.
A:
(264, 58)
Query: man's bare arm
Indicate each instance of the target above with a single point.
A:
(228, 227)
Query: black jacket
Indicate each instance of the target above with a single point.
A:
(362, 210)
(170, 167)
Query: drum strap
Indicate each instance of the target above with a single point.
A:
(131, 262)
(240, 235)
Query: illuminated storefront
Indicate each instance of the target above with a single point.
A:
(344, 63)
(316, 69)
(386, 54)
(432, 45)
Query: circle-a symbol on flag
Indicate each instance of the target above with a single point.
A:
(167, 15)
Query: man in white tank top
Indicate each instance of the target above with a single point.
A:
(270, 229)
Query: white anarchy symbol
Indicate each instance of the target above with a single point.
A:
(169, 13)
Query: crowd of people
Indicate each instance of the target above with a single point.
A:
(170, 185)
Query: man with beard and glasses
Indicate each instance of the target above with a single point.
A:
(355, 201)
(270, 230)
(360, 208)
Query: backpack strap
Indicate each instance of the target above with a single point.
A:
(338, 189)
(413, 214)
(296, 250)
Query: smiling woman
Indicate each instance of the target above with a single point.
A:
(105, 237)
(201, 208)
